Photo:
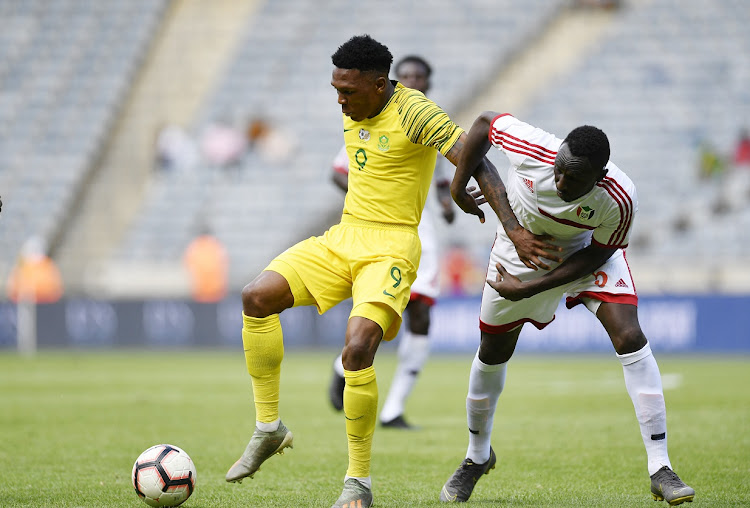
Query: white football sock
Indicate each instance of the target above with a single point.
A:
(338, 366)
(643, 382)
(413, 352)
(486, 383)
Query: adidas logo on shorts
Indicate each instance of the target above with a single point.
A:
(621, 284)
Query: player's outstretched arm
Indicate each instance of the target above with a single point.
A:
(466, 155)
(472, 162)
(580, 263)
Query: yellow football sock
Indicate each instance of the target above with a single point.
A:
(360, 410)
(263, 341)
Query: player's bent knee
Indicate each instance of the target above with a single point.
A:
(629, 340)
(252, 302)
(363, 337)
(268, 294)
(356, 356)
(498, 348)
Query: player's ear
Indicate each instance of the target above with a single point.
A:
(381, 83)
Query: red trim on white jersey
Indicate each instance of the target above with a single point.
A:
(500, 116)
(629, 205)
(523, 147)
(517, 145)
(600, 244)
(565, 221)
(532, 152)
(625, 203)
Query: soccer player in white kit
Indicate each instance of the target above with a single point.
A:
(414, 347)
(571, 213)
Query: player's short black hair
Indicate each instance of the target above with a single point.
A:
(590, 142)
(363, 53)
(417, 60)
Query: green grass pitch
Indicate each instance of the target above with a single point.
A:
(72, 424)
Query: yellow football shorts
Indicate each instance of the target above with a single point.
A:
(373, 263)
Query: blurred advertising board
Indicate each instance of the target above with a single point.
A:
(717, 323)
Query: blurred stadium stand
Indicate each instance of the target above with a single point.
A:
(668, 76)
(65, 69)
(281, 72)
(662, 77)
(659, 76)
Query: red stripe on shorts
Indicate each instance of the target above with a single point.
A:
(497, 329)
(572, 301)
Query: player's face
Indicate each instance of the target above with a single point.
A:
(574, 176)
(413, 75)
(359, 93)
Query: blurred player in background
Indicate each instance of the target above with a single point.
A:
(414, 348)
(582, 207)
(392, 136)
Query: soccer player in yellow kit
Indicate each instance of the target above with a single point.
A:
(392, 136)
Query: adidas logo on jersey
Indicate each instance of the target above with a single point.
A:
(529, 184)
(621, 284)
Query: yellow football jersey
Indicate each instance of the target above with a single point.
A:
(392, 157)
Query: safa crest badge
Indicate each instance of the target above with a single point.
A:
(384, 144)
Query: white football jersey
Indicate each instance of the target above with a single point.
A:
(603, 216)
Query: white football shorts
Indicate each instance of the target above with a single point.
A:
(612, 282)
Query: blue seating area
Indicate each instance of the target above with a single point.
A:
(282, 72)
(670, 75)
(65, 68)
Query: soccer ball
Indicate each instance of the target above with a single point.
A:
(164, 475)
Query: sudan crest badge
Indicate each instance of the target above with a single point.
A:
(585, 212)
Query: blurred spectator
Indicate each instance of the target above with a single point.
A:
(35, 277)
(207, 262)
(461, 275)
(742, 150)
(222, 145)
(271, 143)
(257, 129)
(175, 150)
(710, 162)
